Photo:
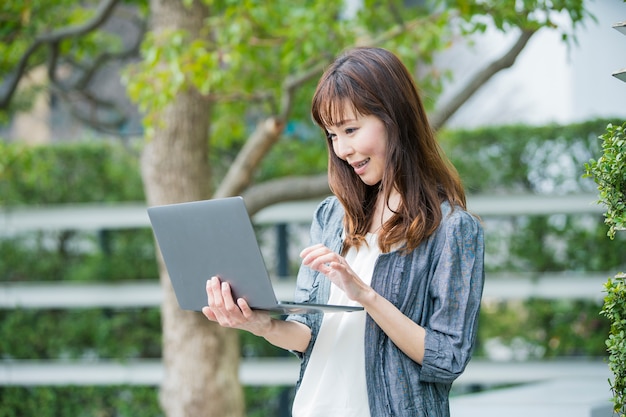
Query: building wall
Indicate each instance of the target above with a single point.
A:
(551, 81)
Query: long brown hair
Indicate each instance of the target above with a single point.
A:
(375, 82)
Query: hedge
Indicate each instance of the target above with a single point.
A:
(502, 159)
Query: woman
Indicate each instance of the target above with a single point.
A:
(396, 239)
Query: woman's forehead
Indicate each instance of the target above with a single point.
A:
(337, 112)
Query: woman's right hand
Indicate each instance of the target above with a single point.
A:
(224, 310)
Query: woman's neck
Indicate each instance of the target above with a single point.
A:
(384, 210)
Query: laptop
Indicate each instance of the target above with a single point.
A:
(201, 239)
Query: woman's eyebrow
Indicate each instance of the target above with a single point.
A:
(343, 122)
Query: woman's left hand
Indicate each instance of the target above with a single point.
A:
(405, 333)
(335, 267)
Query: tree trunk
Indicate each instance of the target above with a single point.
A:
(200, 359)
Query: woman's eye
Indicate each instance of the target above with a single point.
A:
(350, 130)
(331, 136)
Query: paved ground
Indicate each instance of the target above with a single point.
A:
(588, 397)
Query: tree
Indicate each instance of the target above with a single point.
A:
(233, 75)
(73, 52)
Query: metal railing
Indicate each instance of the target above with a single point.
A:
(279, 371)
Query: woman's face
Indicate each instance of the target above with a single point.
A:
(361, 141)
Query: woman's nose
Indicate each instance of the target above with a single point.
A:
(343, 148)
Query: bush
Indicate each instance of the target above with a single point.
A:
(118, 255)
(614, 309)
(116, 401)
(609, 173)
(518, 158)
(499, 159)
(80, 334)
(68, 173)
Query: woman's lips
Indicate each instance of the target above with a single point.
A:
(359, 167)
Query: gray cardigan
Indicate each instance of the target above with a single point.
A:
(438, 285)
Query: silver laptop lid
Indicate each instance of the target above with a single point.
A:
(201, 239)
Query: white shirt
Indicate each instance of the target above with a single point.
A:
(334, 383)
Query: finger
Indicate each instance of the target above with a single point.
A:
(314, 253)
(222, 315)
(227, 296)
(310, 249)
(216, 294)
(245, 308)
(339, 265)
(323, 260)
(208, 313)
(209, 291)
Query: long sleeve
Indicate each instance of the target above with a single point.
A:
(438, 286)
(455, 290)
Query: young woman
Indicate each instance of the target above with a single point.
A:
(396, 239)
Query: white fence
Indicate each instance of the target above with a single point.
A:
(282, 371)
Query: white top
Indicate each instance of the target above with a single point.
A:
(334, 384)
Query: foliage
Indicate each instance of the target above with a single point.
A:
(609, 173)
(301, 151)
(614, 309)
(281, 38)
(22, 21)
(115, 401)
(551, 329)
(552, 243)
(536, 160)
(72, 173)
(117, 255)
(253, 53)
(268, 401)
(23, 26)
(97, 334)
(518, 158)
(80, 334)
(68, 173)
(543, 328)
(257, 47)
(569, 242)
(111, 401)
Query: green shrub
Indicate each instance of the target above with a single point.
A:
(120, 255)
(519, 158)
(499, 159)
(84, 401)
(609, 173)
(116, 401)
(614, 309)
(68, 173)
(82, 333)
(537, 328)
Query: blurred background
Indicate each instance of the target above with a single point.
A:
(109, 106)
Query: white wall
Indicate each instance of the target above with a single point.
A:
(549, 82)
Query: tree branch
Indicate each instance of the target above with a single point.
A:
(266, 134)
(292, 84)
(239, 175)
(397, 30)
(242, 170)
(285, 189)
(441, 116)
(89, 115)
(102, 13)
(259, 96)
(88, 72)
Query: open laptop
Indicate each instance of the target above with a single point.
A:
(201, 239)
